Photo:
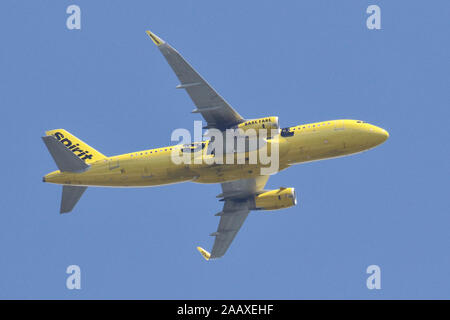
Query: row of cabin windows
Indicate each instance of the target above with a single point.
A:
(148, 152)
(193, 148)
(187, 148)
(285, 132)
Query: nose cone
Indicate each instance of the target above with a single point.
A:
(379, 135)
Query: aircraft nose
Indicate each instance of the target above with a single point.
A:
(379, 134)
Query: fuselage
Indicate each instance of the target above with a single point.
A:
(298, 144)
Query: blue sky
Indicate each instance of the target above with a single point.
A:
(304, 61)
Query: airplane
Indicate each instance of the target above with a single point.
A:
(243, 185)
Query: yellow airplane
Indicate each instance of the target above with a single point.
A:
(243, 184)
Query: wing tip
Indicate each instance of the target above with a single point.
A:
(204, 253)
(156, 40)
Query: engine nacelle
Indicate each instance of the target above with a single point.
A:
(267, 123)
(276, 199)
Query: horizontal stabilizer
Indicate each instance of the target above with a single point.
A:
(70, 197)
(65, 159)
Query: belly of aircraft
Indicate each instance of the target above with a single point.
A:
(304, 147)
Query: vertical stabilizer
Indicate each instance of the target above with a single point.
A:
(65, 159)
(78, 147)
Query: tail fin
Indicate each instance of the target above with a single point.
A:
(70, 197)
(70, 155)
(64, 159)
(75, 145)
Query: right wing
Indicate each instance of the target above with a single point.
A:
(216, 111)
(236, 195)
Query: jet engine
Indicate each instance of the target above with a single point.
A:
(275, 199)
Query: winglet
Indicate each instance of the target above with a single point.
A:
(204, 253)
(157, 40)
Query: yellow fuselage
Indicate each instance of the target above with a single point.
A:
(303, 143)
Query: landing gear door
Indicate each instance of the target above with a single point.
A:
(339, 125)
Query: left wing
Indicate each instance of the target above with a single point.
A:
(237, 195)
(216, 111)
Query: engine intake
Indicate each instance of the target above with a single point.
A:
(276, 199)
